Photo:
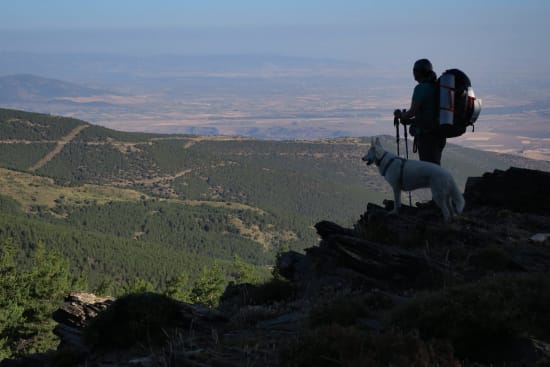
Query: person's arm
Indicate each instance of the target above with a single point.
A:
(410, 113)
(406, 116)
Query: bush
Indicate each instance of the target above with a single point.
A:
(274, 290)
(269, 292)
(178, 288)
(138, 285)
(145, 318)
(482, 320)
(209, 286)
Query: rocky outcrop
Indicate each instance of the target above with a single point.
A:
(518, 189)
(417, 250)
(75, 314)
(344, 258)
(97, 331)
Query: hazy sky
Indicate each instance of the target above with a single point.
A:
(473, 33)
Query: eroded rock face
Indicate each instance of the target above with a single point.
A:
(75, 314)
(80, 307)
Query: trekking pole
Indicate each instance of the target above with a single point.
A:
(396, 123)
(407, 156)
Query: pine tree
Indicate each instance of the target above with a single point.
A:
(244, 272)
(209, 286)
(178, 288)
(105, 288)
(138, 285)
(11, 312)
(28, 297)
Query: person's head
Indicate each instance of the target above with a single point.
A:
(423, 70)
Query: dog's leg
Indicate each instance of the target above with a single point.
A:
(451, 206)
(442, 203)
(396, 202)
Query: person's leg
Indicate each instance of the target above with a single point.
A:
(437, 143)
(430, 148)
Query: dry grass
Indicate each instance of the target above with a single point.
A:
(30, 190)
(336, 345)
(265, 238)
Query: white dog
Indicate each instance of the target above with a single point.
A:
(408, 175)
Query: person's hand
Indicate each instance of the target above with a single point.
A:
(402, 119)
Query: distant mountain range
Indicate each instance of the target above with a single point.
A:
(106, 67)
(265, 97)
(27, 87)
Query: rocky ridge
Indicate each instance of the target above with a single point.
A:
(393, 290)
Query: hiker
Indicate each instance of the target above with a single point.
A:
(422, 115)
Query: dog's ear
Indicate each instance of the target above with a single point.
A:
(378, 147)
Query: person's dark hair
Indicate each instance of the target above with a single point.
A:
(423, 65)
(424, 68)
(431, 77)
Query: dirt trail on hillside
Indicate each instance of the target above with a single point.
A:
(60, 144)
(153, 180)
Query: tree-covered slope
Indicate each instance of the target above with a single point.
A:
(101, 256)
(208, 196)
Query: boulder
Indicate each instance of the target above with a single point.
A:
(518, 189)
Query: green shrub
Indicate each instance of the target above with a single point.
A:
(481, 320)
(244, 272)
(237, 296)
(138, 285)
(177, 288)
(209, 286)
(274, 290)
(145, 318)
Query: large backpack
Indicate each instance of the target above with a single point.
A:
(457, 105)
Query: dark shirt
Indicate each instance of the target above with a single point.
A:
(425, 116)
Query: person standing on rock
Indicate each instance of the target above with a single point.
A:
(422, 114)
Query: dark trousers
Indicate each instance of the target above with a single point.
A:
(430, 147)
